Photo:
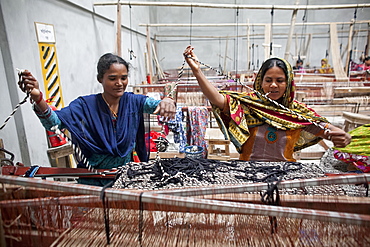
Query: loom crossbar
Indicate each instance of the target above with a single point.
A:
(176, 201)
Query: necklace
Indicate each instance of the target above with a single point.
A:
(113, 112)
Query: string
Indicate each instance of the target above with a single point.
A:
(190, 34)
(253, 47)
(19, 104)
(162, 141)
(359, 28)
(271, 33)
(191, 22)
(141, 219)
(353, 34)
(219, 57)
(77, 151)
(237, 42)
(328, 46)
(304, 27)
(131, 51)
(106, 210)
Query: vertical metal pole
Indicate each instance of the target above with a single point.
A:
(149, 49)
(118, 34)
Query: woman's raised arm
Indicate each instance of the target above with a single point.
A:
(206, 86)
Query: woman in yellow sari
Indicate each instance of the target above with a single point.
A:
(325, 67)
(259, 129)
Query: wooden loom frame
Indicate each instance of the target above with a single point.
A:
(184, 199)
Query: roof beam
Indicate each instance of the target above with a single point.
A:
(237, 6)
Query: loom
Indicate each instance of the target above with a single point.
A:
(218, 206)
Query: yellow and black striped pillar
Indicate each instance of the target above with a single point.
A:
(50, 73)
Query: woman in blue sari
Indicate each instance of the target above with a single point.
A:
(109, 126)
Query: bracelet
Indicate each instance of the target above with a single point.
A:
(39, 100)
(44, 114)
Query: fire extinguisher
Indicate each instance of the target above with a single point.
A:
(55, 140)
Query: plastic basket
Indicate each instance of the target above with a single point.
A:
(194, 152)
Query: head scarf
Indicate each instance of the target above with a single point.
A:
(252, 109)
(326, 65)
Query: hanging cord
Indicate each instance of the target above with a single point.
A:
(237, 42)
(20, 71)
(272, 196)
(252, 47)
(341, 40)
(271, 32)
(264, 96)
(191, 22)
(132, 55)
(141, 219)
(328, 45)
(304, 28)
(351, 50)
(105, 203)
(190, 34)
(359, 28)
(80, 158)
(162, 141)
(219, 56)
(78, 154)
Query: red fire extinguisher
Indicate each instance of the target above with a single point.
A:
(55, 140)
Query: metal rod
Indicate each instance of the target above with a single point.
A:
(245, 24)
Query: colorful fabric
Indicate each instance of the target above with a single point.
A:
(178, 129)
(198, 122)
(358, 151)
(363, 67)
(248, 110)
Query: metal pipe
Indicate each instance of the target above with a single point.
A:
(246, 24)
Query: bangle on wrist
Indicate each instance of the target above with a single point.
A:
(40, 98)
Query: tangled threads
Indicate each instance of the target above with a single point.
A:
(189, 172)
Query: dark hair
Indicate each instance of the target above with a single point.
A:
(273, 62)
(106, 61)
(367, 58)
(299, 61)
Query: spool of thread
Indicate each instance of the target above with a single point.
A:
(135, 157)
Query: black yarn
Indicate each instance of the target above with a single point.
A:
(106, 210)
(176, 170)
(173, 170)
